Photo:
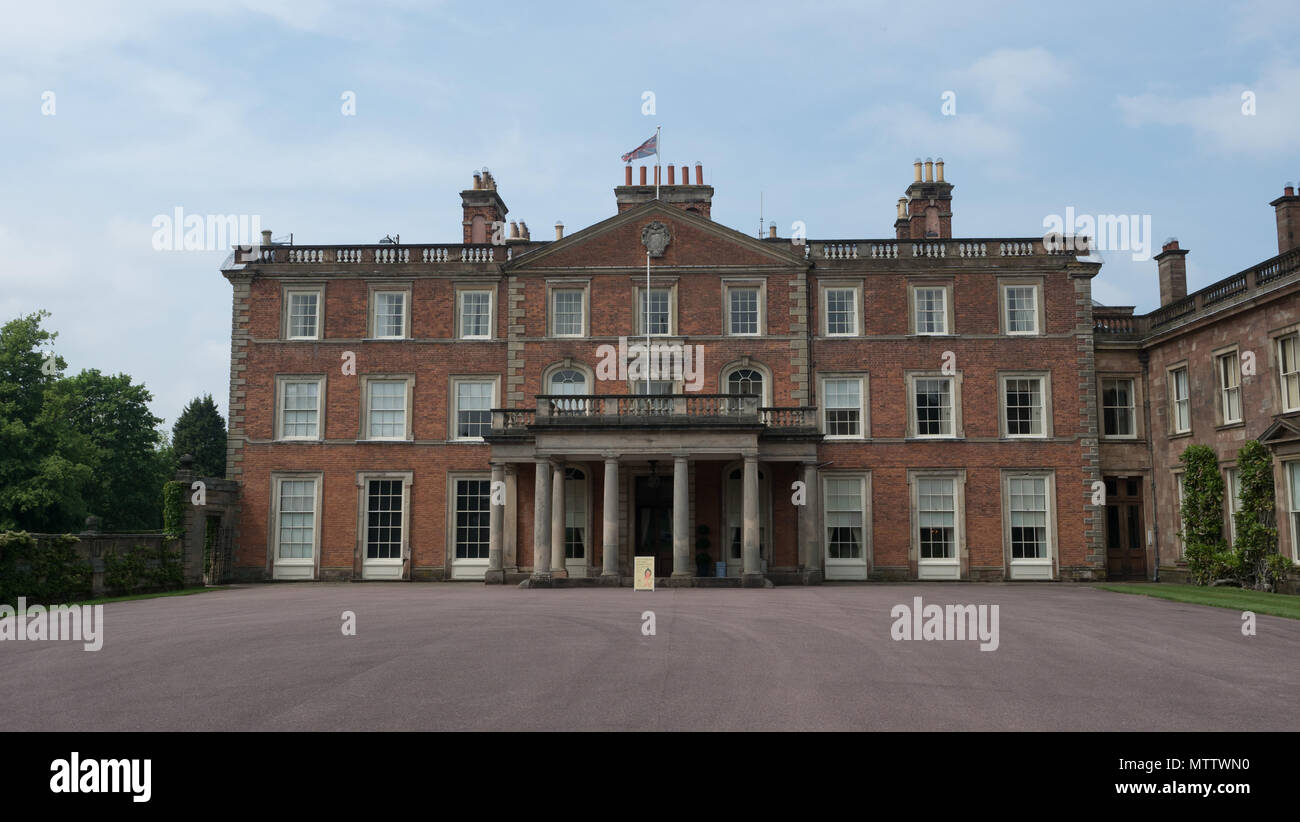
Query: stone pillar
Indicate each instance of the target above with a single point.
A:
(609, 540)
(810, 543)
(557, 521)
(542, 518)
(495, 574)
(510, 546)
(753, 573)
(682, 565)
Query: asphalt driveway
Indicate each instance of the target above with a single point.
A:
(465, 656)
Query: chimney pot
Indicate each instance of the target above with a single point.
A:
(929, 170)
(916, 170)
(478, 181)
(938, 169)
(627, 175)
(266, 237)
(642, 175)
(656, 174)
(1289, 191)
(559, 226)
(771, 231)
(672, 175)
(514, 230)
(699, 173)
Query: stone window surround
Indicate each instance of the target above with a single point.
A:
(363, 494)
(278, 422)
(864, 402)
(959, 514)
(372, 323)
(859, 303)
(1049, 475)
(286, 290)
(568, 284)
(461, 288)
(1220, 418)
(1171, 426)
(863, 474)
(758, 283)
(958, 428)
(363, 435)
(1045, 380)
(273, 521)
(453, 414)
(949, 310)
(1138, 397)
(1040, 317)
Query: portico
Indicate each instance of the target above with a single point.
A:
(644, 460)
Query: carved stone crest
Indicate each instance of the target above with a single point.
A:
(655, 238)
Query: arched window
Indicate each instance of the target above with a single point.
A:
(744, 381)
(568, 381)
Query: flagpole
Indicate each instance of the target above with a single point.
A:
(646, 361)
(657, 160)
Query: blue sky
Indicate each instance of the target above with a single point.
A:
(235, 107)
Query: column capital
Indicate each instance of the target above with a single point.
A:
(610, 456)
(749, 456)
(510, 469)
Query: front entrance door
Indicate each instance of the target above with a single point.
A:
(1126, 553)
(654, 522)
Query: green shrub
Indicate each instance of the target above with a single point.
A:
(1207, 564)
(1256, 543)
(143, 567)
(45, 571)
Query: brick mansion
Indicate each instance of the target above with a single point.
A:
(917, 406)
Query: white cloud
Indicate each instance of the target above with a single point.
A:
(1010, 81)
(1216, 116)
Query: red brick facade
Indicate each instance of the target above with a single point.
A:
(973, 500)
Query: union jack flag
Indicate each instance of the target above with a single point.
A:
(647, 148)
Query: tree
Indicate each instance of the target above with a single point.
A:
(113, 414)
(201, 432)
(1208, 559)
(44, 459)
(1258, 562)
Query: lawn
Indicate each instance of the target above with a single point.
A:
(1261, 602)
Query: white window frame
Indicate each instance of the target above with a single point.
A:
(940, 567)
(466, 567)
(1171, 381)
(724, 381)
(1288, 378)
(376, 292)
(914, 308)
(760, 307)
(553, 288)
(1179, 493)
(1044, 379)
(640, 309)
(1004, 306)
(1227, 365)
(913, 420)
(369, 380)
(318, 291)
(383, 567)
(463, 290)
(1291, 481)
(856, 290)
(281, 381)
(458, 380)
(864, 404)
(1132, 407)
(584, 521)
(294, 567)
(1232, 499)
(841, 567)
(1030, 567)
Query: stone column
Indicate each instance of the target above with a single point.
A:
(542, 518)
(753, 573)
(682, 566)
(810, 543)
(510, 546)
(610, 536)
(495, 574)
(557, 521)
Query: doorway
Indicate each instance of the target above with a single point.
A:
(653, 531)
(1126, 553)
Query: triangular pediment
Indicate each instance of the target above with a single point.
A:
(694, 241)
(1284, 429)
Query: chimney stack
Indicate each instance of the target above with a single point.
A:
(559, 226)
(266, 237)
(925, 211)
(1172, 261)
(697, 198)
(482, 206)
(1287, 209)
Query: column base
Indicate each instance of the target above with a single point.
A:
(561, 574)
(537, 581)
(754, 581)
(494, 577)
